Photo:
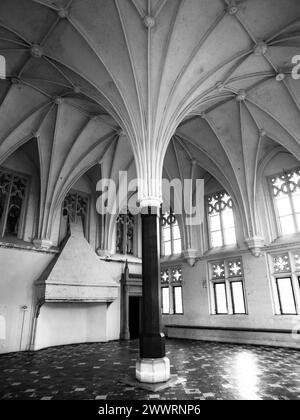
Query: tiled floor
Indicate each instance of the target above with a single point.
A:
(94, 371)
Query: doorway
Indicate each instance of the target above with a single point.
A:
(134, 317)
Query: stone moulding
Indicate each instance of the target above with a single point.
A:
(55, 293)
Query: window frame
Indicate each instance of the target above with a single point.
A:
(86, 228)
(177, 286)
(227, 280)
(125, 230)
(293, 272)
(215, 283)
(171, 241)
(171, 284)
(279, 232)
(232, 297)
(221, 216)
(279, 295)
(162, 306)
(24, 209)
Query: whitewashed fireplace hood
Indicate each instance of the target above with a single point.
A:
(75, 288)
(76, 274)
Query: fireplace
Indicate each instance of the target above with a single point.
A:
(72, 295)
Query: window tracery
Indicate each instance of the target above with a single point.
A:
(125, 234)
(221, 219)
(12, 199)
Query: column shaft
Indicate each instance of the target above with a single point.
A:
(152, 340)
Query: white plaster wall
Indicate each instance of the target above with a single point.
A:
(197, 310)
(18, 271)
(68, 323)
(259, 298)
(58, 323)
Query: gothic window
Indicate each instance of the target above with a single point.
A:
(76, 204)
(171, 291)
(12, 202)
(171, 238)
(285, 268)
(125, 234)
(221, 220)
(227, 284)
(286, 197)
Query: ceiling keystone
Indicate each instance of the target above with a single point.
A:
(36, 51)
(280, 77)
(149, 21)
(63, 13)
(58, 100)
(260, 48)
(241, 96)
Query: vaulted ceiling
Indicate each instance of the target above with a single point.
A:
(212, 75)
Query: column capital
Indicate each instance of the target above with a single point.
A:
(149, 190)
(150, 211)
(153, 202)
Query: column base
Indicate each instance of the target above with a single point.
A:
(153, 371)
(132, 382)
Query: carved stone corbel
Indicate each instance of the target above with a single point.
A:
(255, 245)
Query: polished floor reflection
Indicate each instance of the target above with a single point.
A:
(209, 370)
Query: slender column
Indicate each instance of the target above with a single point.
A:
(152, 366)
(152, 342)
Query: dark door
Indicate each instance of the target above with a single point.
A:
(134, 317)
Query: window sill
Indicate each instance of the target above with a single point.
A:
(122, 258)
(284, 241)
(19, 244)
(228, 315)
(172, 258)
(228, 250)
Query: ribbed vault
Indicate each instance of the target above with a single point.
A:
(214, 75)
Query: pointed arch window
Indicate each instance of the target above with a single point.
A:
(125, 234)
(76, 204)
(221, 219)
(286, 198)
(170, 233)
(13, 190)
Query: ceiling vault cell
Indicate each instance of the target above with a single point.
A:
(208, 79)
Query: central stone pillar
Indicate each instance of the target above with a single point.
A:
(153, 366)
